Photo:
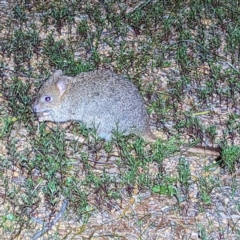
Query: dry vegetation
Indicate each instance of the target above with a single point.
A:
(62, 182)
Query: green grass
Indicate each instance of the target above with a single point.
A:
(230, 157)
(184, 58)
(61, 58)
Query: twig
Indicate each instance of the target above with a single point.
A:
(51, 224)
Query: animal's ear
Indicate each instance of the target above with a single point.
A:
(58, 73)
(62, 86)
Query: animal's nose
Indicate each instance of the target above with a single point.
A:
(35, 108)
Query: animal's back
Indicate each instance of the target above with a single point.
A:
(109, 100)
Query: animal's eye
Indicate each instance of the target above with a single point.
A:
(47, 99)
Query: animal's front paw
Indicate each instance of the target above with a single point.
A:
(44, 116)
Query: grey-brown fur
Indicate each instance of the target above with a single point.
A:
(100, 99)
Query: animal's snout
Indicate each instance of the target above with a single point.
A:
(35, 108)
